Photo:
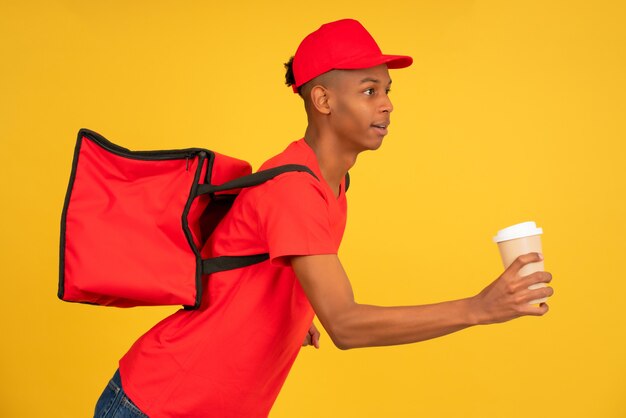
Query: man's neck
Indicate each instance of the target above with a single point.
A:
(333, 159)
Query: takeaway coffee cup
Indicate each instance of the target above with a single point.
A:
(519, 239)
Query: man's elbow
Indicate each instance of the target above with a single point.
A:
(341, 344)
(343, 338)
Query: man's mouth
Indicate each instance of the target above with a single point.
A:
(381, 127)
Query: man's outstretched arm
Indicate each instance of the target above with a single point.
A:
(352, 325)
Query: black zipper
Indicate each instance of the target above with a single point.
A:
(175, 154)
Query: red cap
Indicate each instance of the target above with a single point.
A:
(340, 45)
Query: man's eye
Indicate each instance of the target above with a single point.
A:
(369, 92)
(388, 91)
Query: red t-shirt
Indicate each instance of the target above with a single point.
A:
(231, 357)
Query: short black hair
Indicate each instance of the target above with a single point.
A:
(290, 79)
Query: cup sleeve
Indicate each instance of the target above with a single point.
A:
(294, 218)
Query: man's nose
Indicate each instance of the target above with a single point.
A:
(387, 106)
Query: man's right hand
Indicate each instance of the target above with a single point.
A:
(508, 296)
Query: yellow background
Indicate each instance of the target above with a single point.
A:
(513, 111)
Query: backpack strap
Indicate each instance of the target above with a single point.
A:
(223, 263)
(259, 178)
(216, 264)
(255, 179)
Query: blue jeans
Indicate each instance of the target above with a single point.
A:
(114, 403)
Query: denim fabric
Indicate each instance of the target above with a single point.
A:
(114, 403)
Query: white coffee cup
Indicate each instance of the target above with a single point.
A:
(519, 239)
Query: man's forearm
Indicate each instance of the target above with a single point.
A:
(367, 325)
(352, 325)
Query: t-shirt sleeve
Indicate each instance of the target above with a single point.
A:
(294, 218)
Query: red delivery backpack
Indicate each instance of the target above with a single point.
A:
(134, 222)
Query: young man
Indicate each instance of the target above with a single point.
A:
(230, 358)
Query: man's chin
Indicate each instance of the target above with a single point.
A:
(370, 144)
(374, 145)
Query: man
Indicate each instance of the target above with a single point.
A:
(230, 357)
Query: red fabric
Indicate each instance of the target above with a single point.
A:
(111, 194)
(230, 358)
(123, 241)
(341, 45)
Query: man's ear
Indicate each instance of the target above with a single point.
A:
(319, 99)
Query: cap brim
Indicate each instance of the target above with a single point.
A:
(392, 61)
(398, 61)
